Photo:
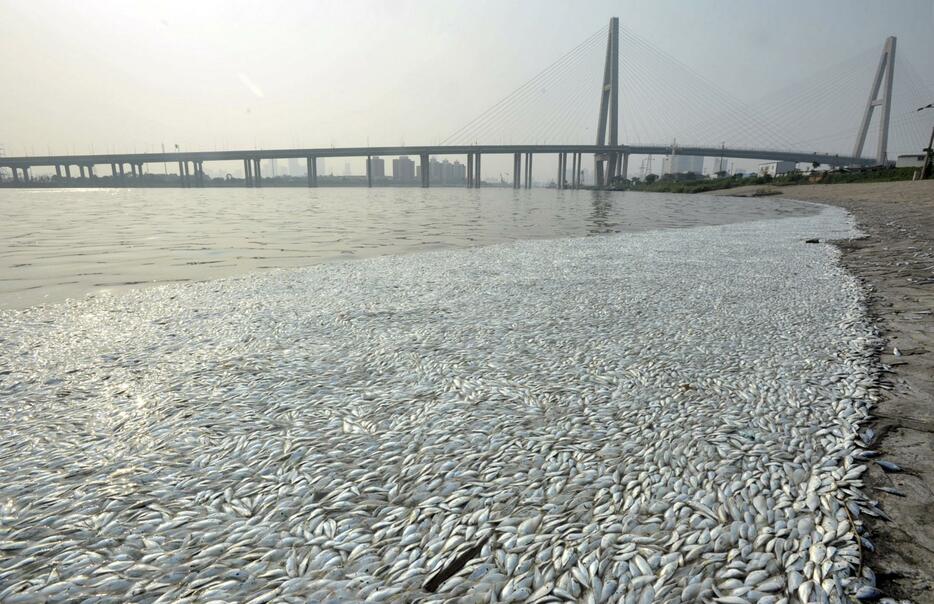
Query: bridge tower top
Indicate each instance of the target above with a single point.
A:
(886, 68)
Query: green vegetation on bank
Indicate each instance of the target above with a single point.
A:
(694, 183)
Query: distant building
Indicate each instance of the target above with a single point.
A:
(911, 160)
(683, 164)
(776, 168)
(458, 173)
(295, 168)
(718, 164)
(447, 173)
(377, 167)
(322, 167)
(271, 168)
(403, 169)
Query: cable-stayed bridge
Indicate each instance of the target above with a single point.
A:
(584, 115)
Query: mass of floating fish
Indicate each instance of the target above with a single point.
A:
(670, 416)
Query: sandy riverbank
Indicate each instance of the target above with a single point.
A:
(896, 261)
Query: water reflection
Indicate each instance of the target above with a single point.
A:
(599, 216)
(65, 243)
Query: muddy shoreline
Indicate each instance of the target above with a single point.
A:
(895, 261)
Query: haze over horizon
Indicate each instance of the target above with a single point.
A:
(113, 76)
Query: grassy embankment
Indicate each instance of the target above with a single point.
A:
(670, 185)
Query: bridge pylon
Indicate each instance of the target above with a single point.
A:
(606, 165)
(886, 68)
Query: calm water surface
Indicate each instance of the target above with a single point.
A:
(65, 243)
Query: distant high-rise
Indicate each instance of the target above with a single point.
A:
(446, 173)
(377, 167)
(294, 167)
(272, 168)
(403, 169)
(322, 167)
(458, 173)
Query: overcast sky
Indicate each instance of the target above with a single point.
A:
(130, 75)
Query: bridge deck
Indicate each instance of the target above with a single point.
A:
(246, 154)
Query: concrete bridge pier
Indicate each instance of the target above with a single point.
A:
(247, 178)
(181, 174)
(624, 168)
(369, 171)
(516, 168)
(565, 183)
(311, 163)
(470, 170)
(122, 172)
(612, 168)
(90, 170)
(528, 170)
(477, 179)
(424, 169)
(58, 171)
(188, 169)
(257, 174)
(558, 176)
(562, 170)
(15, 172)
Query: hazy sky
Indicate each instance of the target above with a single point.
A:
(125, 75)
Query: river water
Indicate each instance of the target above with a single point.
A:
(66, 243)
